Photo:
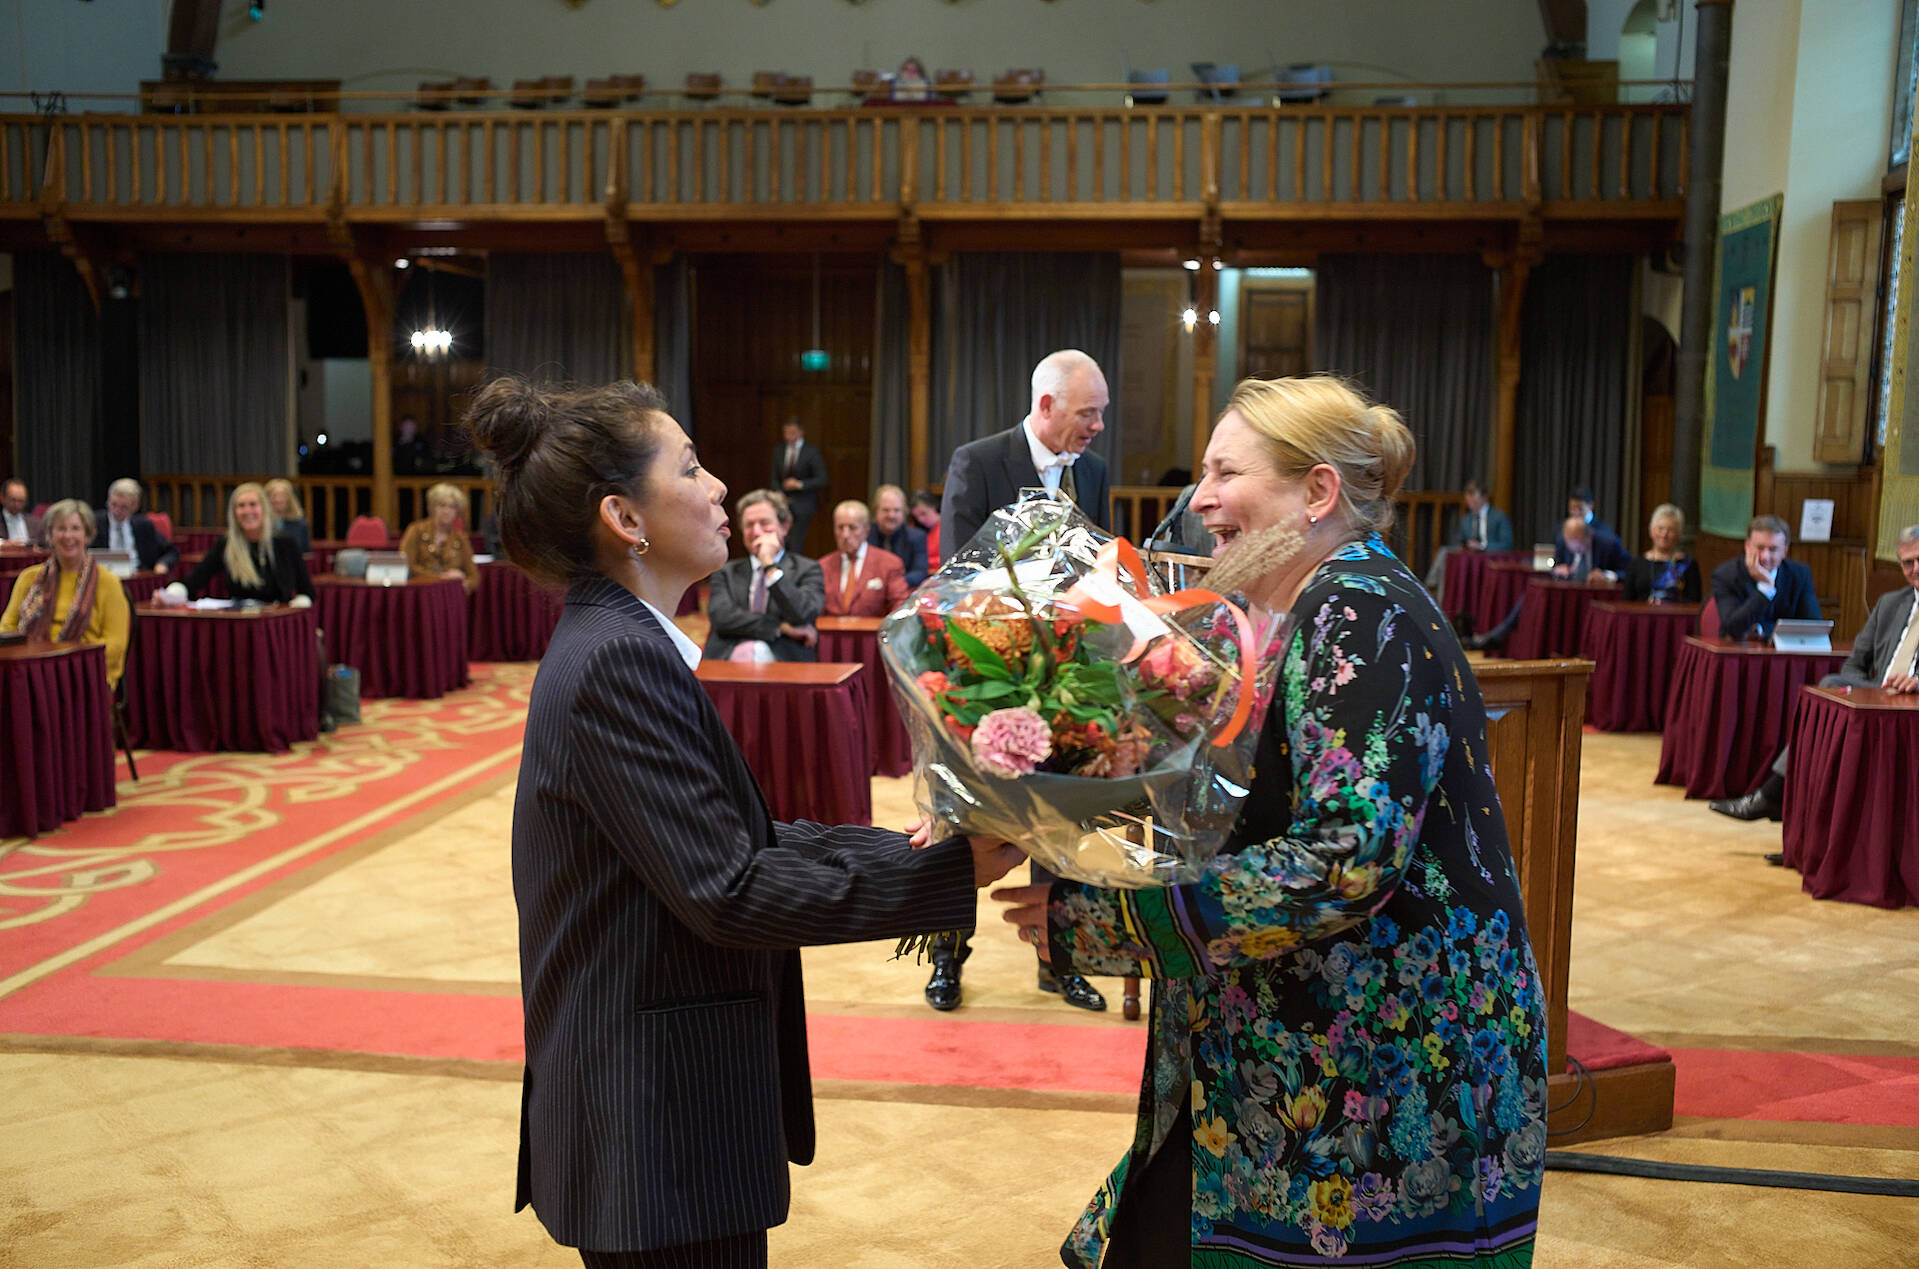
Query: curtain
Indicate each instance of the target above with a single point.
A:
(1576, 392)
(1416, 332)
(555, 318)
(215, 364)
(56, 369)
(995, 315)
(892, 379)
(672, 368)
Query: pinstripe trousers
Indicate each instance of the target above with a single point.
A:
(742, 1251)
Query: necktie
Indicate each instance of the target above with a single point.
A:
(1908, 649)
(792, 457)
(1482, 526)
(759, 590)
(1066, 485)
(123, 536)
(849, 574)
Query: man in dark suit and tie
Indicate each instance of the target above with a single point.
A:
(862, 580)
(1885, 655)
(1481, 527)
(17, 526)
(1754, 592)
(762, 608)
(1609, 554)
(123, 528)
(1046, 448)
(799, 472)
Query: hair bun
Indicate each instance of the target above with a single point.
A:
(1393, 442)
(506, 420)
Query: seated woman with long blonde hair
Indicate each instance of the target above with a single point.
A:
(69, 598)
(257, 563)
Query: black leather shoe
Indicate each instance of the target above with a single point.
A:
(943, 988)
(1777, 859)
(1076, 991)
(1754, 806)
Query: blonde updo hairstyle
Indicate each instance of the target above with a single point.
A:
(1320, 419)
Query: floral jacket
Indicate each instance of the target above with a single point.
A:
(1347, 1001)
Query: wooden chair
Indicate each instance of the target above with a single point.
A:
(703, 86)
(1018, 86)
(603, 94)
(537, 94)
(793, 90)
(162, 523)
(473, 91)
(953, 84)
(436, 94)
(122, 737)
(870, 85)
(764, 82)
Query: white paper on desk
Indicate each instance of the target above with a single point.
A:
(483, 559)
(1815, 520)
(212, 605)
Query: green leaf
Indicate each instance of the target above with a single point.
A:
(989, 690)
(984, 659)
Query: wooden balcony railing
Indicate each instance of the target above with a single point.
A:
(1248, 161)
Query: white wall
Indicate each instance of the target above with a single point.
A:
(107, 46)
(1605, 19)
(1807, 115)
(393, 44)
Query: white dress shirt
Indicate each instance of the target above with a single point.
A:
(120, 535)
(1907, 648)
(15, 527)
(1048, 464)
(689, 651)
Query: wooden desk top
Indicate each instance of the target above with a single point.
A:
(1729, 647)
(153, 609)
(779, 673)
(1515, 566)
(334, 579)
(850, 625)
(1547, 668)
(1645, 608)
(42, 649)
(1548, 581)
(14, 550)
(1870, 698)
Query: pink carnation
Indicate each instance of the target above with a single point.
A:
(1012, 742)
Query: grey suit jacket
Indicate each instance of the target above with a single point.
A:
(1499, 530)
(666, 1083)
(797, 598)
(988, 474)
(1872, 650)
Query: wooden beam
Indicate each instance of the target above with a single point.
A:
(919, 392)
(1514, 267)
(1205, 356)
(373, 277)
(636, 270)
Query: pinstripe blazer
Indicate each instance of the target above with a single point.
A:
(666, 1082)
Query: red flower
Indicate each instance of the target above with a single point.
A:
(933, 682)
(959, 729)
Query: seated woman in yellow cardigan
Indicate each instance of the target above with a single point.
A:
(69, 598)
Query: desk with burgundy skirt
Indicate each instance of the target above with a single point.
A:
(512, 615)
(56, 735)
(407, 640)
(1727, 713)
(1503, 586)
(1634, 648)
(805, 728)
(13, 562)
(1553, 620)
(1466, 579)
(857, 639)
(236, 680)
(1850, 826)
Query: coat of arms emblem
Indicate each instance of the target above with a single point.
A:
(1739, 330)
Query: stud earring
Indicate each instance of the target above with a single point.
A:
(641, 548)
(1312, 519)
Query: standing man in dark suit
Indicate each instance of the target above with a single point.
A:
(762, 608)
(1047, 447)
(894, 532)
(799, 472)
(17, 527)
(1761, 587)
(123, 528)
(666, 1085)
(1885, 656)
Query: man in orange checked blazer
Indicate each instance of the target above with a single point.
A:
(861, 580)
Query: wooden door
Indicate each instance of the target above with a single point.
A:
(1276, 330)
(1845, 365)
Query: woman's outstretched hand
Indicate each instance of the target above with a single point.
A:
(1026, 910)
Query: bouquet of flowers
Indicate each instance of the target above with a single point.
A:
(1057, 700)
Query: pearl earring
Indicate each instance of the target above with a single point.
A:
(1312, 519)
(641, 548)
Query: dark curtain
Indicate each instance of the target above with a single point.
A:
(1416, 333)
(1575, 392)
(994, 316)
(892, 378)
(672, 368)
(555, 318)
(56, 375)
(215, 364)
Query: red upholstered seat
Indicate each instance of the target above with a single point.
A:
(162, 522)
(1709, 620)
(370, 532)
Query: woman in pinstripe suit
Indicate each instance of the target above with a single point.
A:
(661, 907)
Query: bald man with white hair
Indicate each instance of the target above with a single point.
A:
(1046, 448)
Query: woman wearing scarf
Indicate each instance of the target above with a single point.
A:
(70, 599)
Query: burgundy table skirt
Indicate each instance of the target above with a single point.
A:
(405, 640)
(512, 615)
(1499, 590)
(197, 541)
(806, 743)
(1634, 648)
(1553, 621)
(142, 586)
(892, 748)
(224, 682)
(57, 719)
(1466, 577)
(1727, 714)
(14, 563)
(1850, 829)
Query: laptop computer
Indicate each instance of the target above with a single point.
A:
(1795, 635)
(386, 568)
(120, 563)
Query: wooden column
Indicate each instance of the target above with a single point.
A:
(1514, 267)
(636, 271)
(375, 283)
(919, 393)
(1205, 357)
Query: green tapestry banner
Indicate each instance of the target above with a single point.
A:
(1736, 374)
(1899, 469)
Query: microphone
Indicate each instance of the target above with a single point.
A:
(1179, 509)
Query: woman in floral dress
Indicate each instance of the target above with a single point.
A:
(1347, 1048)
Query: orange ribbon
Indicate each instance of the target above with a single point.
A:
(1107, 564)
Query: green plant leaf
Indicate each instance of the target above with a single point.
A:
(984, 659)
